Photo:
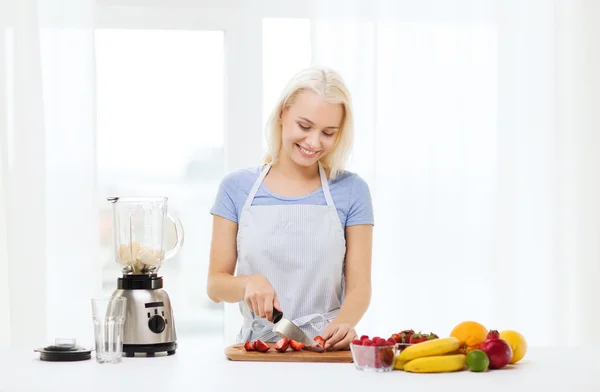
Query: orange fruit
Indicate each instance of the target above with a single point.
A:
(517, 343)
(470, 334)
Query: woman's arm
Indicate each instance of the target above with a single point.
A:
(359, 245)
(222, 286)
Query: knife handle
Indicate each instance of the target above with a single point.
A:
(277, 315)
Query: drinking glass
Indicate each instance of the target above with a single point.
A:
(109, 323)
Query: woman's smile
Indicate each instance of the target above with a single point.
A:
(305, 152)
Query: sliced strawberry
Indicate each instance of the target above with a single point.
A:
(391, 341)
(282, 345)
(248, 346)
(367, 342)
(296, 345)
(261, 346)
(320, 340)
(357, 342)
(363, 337)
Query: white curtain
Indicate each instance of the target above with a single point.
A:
(477, 134)
(48, 243)
(477, 131)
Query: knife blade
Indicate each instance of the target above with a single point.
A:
(283, 327)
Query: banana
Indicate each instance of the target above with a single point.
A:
(436, 364)
(430, 348)
(399, 364)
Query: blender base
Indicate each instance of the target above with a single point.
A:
(150, 350)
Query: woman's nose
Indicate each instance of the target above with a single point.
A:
(314, 139)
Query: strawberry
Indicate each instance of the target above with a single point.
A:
(261, 346)
(367, 342)
(405, 335)
(432, 336)
(296, 345)
(384, 358)
(320, 340)
(364, 337)
(417, 338)
(357, 342)
(382, 342)
(282, 345)
(391, 341)
(248, 346)
(397, 338)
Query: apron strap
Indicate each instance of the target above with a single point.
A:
(325, 185)
(259, 180)
(256, 185)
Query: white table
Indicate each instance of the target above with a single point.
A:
(202, 366)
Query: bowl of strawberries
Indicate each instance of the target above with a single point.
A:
(373, 354)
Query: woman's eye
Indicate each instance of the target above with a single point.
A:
(304, 127)
(327, 134)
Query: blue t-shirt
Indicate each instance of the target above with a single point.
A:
(350, 194)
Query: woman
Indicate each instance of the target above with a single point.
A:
(298, 227)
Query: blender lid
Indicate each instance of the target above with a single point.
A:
(64, 350)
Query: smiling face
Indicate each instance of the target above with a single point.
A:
(310, 127)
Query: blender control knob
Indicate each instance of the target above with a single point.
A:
(156, 324)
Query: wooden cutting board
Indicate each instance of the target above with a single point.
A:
(237, 352)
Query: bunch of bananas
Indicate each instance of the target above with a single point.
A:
(432, 356)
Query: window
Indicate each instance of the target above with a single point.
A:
(160, 119)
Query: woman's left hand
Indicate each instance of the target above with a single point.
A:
(338, 336)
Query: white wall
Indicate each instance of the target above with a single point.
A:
(580, 95)
(4, 292)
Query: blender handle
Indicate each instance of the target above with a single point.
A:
(179, 232)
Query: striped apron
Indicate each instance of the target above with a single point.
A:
(300, 249)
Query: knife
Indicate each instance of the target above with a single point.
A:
(283, 327)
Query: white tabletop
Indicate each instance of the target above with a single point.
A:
(202, 366)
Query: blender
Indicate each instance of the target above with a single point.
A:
(139, 236)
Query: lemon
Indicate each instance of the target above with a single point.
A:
(517, 343)
(477, 361)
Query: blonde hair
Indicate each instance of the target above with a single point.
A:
(329, 85)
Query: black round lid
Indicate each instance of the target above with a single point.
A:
(64, 352)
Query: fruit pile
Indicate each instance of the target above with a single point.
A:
(282, 345)
(488, 349)
(373, 354)
(470, 346)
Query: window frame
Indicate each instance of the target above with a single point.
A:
(242, 28)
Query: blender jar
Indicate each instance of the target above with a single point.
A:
(139, 233)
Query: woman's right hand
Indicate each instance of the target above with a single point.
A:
(261, 297)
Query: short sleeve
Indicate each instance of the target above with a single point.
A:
(224, 204)
(361, 204)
